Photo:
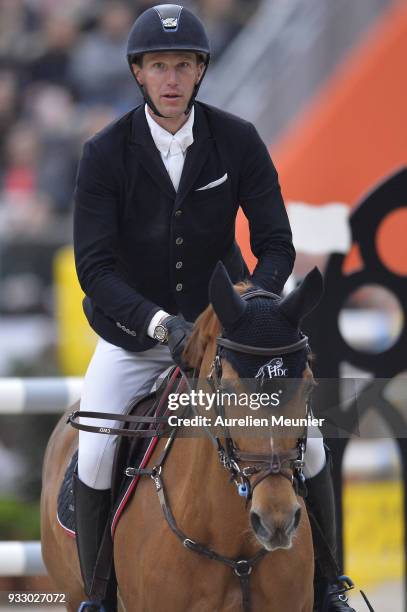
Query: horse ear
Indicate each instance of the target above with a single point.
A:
(226, 302)
(300, 302)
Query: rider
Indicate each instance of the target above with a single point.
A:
(156, 199)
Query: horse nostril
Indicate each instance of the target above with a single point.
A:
(258, 526)
(255, 521)
(297, 517)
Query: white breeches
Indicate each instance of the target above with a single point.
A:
(114, 379)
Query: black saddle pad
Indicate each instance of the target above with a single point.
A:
(65, 504)
(129, 452)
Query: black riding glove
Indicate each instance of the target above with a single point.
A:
(179, 331)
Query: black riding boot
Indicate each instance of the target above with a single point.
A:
(330, 589)
(92, 508)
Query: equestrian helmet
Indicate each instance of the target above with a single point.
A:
(167, 27)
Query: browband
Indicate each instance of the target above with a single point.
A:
(256, 350)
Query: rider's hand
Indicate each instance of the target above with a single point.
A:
(179, 331)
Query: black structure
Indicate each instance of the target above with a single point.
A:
(331, 348)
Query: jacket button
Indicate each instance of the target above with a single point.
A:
(178, 287)
(179, 241)
(178, 265)
(178, 212)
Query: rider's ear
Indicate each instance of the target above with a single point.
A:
(304, 298)
(136, 70)
(227, 303)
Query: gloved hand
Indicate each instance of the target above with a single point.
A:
(179, 331)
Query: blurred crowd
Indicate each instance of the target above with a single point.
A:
(64, 76)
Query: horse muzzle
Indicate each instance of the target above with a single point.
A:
(273, 533)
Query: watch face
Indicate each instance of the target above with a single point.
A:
(160, 333)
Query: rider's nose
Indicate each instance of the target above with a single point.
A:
(172, 76)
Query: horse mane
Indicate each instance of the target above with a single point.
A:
(207, 327)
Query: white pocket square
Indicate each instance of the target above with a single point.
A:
(214, 183)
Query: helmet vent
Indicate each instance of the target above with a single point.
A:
(170, 23)
(169, 15)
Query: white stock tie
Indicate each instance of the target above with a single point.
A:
(175, 163)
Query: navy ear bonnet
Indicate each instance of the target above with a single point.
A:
(264, 321)
(265, 325)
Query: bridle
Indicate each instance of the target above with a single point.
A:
(287, 463)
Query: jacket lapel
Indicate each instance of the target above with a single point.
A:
(149, 156)
(196, 156)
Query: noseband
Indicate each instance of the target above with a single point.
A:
(289, 463)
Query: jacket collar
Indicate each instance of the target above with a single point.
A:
(196, 156)
(163, 139)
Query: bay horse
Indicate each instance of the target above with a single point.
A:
(264, 536)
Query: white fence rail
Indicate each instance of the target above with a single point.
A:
(21, 559)
(32, 396)
(38, 395)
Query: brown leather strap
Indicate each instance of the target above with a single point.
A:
(131, 433)
(241, 567)
(282, 457)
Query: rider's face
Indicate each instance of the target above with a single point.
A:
(169, 78)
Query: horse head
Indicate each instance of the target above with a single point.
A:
(250, 340)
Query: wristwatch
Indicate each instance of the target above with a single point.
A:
(160, 331)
